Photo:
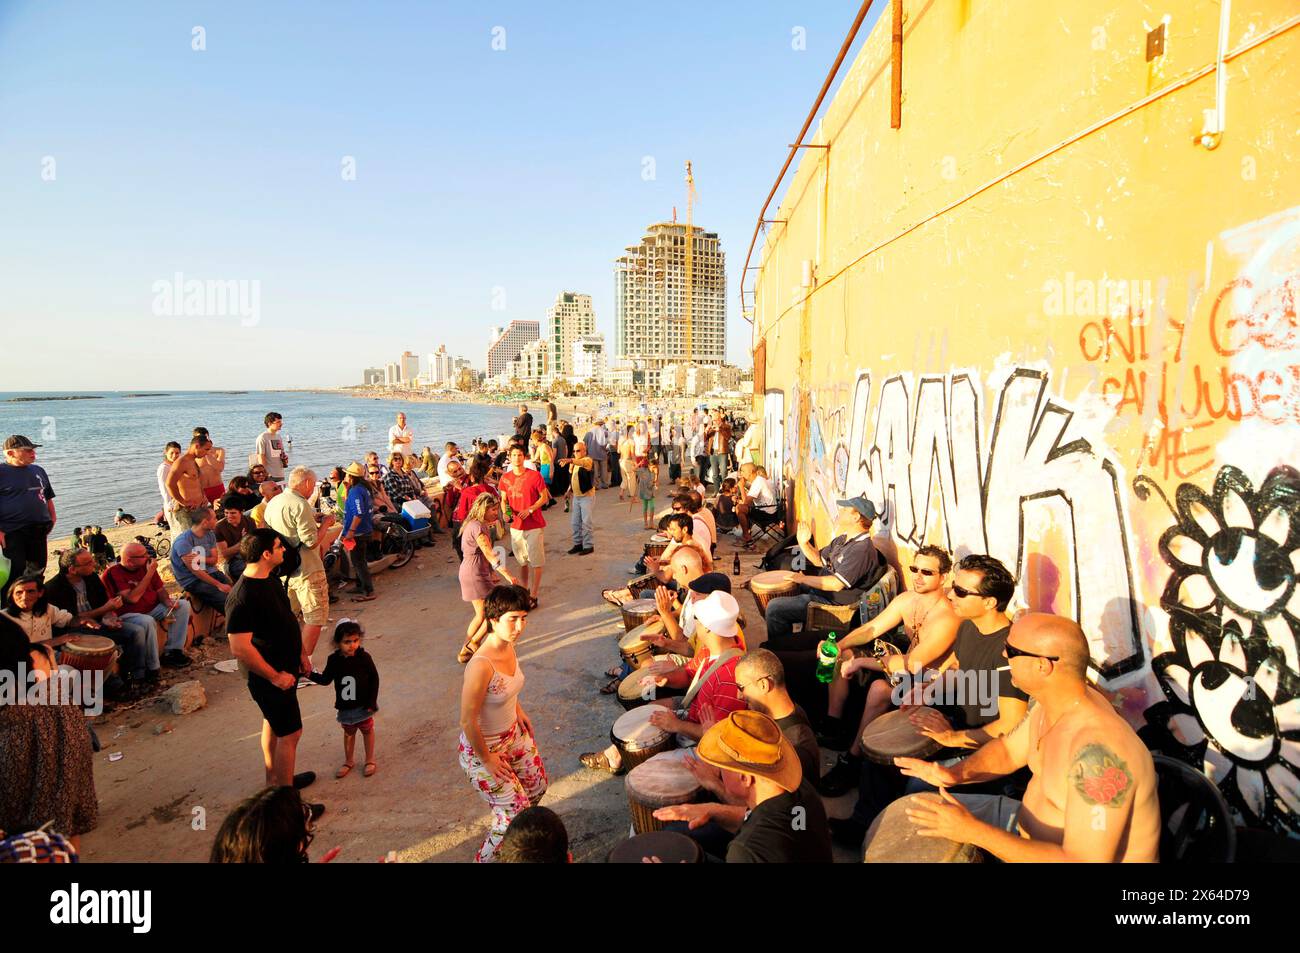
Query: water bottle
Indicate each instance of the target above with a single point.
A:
(827, 654)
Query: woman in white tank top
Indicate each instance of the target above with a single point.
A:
(497, 750)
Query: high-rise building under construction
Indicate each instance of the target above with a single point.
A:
(650, 299)
(570, 318)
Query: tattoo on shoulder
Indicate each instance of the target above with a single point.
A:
(1100, 776)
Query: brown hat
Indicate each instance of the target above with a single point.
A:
(752, 743)
(354, 469)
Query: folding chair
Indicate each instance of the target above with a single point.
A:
(766, 522)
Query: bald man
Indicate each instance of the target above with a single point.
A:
(145, 601)
(1093, 792)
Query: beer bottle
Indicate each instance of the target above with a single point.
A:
(735, 565)
(827, 654)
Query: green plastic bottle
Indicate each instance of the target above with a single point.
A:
(827, 654)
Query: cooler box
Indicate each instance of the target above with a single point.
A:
(415, 515)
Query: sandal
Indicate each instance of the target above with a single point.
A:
(369, 769)
(466, 653)
(343, 771)
(369, 597)
(610, 687)
(608, 596)
(597, 761)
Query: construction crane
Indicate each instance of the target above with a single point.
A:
(690, 251)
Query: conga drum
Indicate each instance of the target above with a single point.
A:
(669, 847)
(638, 612)
(644, 586)
(633, 648)
(767, 586)
(662, 781)
(636, 739)
(892, 839)
(633, 694)
(893, 735)
(89, 653)
(656, 546)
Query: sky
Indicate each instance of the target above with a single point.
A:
(359, 179)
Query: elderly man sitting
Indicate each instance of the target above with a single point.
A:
(709, 679)
(145, 600)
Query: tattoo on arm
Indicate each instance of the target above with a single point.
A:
(1100, 776)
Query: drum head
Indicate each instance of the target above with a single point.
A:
(892, 839)
(631, 688)
(88, 644)
(632, 641)
(669, 846)
(659, 539)
(634, 731)
(893, 735)
(641, 607)
(663, 780)
(774, 577)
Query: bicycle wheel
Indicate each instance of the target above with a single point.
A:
(396, 543)
(163, 547)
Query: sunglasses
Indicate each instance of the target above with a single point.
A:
(961, 593)
(1012, 652)
(925, 572)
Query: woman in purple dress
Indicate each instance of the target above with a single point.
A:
(477, 565)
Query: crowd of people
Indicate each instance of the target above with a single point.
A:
(1037, 753)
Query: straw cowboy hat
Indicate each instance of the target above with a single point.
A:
(751, 743)
(354, 469)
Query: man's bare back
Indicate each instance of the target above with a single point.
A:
(1092, 753)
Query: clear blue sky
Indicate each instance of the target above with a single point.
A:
(475, 169)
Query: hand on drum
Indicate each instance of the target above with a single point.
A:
(927, 771)
(943, 818)
(663, 718)
(695, 815)
(706, 774)
(659, 669)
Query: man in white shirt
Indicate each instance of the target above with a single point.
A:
(270, 451)
(759, 504)
(400, 437)
(449, 453)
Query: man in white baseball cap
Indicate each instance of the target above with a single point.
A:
(712, 694)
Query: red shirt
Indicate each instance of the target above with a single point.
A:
(467, 498)
(119, 580)
(719, 696)
(522, 491)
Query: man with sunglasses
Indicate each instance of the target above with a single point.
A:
(1092, 794)
(931, 627)
(967, 706)
(850, 565)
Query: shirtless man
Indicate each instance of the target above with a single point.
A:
(1093, 792)
(931, 626)
(185, 484)
(679, 532)
(211, 468)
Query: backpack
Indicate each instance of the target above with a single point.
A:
(292, 559)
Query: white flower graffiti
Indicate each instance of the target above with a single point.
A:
(1233, 678)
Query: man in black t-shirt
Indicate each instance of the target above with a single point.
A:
(967, 706)
(265, 638)
(850, 565)
(524, 423)
(786, 822)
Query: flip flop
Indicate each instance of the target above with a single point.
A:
(610, 687)
(608, 596)
(343, 771)
(369, 769)
(597, 761)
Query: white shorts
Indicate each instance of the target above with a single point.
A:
(529, 546)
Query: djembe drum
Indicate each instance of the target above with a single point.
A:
(893, 735)
(636, 739)
(661, 781)
(892, 839)
(767, 586)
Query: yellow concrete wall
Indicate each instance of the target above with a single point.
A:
(1047, 324)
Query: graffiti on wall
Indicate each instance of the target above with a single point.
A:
(1232, 680)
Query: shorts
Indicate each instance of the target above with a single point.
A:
(353, 718)
(214, 493)
(529, 546)
(648, 505)
(310, 595)
(279, 707)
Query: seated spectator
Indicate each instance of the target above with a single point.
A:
(269, 490)
(231, 529)
(257, 475)
(758, 501)
(147, 602)
(451, 453)
(761, 775)
(372, 463)
(535, 836)
(194, 560)
(680, 530)
(78, 589)
(46, 769)
(703, 528)
(31, 610)
(273, 826)
(709, 679)
(850, 565)
(240, 495)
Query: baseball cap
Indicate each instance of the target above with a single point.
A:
(19, 442)
(862, 505)
(717, 612)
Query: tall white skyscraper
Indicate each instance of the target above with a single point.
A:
(650, 298)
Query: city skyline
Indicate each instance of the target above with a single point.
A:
(324, 179)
